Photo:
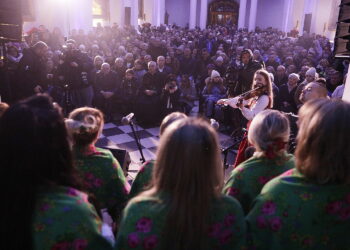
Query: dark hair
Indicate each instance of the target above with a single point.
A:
(34, 152)
(39, 45)
(130, 71)
(247, 51)
(322, 82)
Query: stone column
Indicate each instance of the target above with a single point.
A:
(288, 14)
(203, 14)
(135, 13)
(155, 13)
(242, 13)
(252, 14)
(193, 12)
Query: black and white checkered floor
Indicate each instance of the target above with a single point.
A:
(120, 136)
(116, 135)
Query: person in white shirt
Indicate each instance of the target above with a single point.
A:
(339, 91)
(257, 100)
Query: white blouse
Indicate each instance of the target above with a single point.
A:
(257, 106)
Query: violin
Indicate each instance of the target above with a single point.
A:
(258, 91)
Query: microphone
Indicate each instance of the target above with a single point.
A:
(127, 119)
(214, 124)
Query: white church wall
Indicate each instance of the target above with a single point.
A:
(270, 14)
(179, 11)
(148, 10)
(298, 12)
(49, 13)
(116, 15)
(63, 14)
(322, 17)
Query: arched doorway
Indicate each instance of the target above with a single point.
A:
(223, 12)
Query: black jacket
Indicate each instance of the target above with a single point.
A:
(106, 82)
(245, 76)
(73, 76)
(30, 73)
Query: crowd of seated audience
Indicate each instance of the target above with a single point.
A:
(45, 62)
(58, 186)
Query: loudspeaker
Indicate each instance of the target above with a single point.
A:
(122, 156)
(127, 17)
(11, 20)
(342, 35)
(307, 22)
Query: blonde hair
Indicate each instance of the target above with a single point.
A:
(189, 169)
(323, 149)
(84, 125)
(268, 128)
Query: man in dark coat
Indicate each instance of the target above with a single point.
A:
(187, 63)
(106, 89)
(75, 72)
(287, 93)
(31, 71)
(149, 95)
(246, 71)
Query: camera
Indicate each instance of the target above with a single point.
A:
(84, 78)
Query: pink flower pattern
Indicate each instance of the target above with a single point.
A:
(225, 236)
(229, 220)
(261, 221)
(144, 225)
(334, 207)
(275, 224)
(133, 240)
(150, 242)
(232, 191)
(80, 244)
(269, 208)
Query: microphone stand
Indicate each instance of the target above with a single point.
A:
(237, 141)
(142, 159)
(225, 151)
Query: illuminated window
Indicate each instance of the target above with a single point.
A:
(97, 8)
(100, 11)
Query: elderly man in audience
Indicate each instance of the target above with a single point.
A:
(310, 76)
(287, 93)
(281, 76)
(149, 95)
(106, 89)
(313, 90)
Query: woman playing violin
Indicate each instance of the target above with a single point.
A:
(251, 103)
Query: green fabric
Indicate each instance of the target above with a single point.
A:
(102, 176)
(144, 218)
(292, 213)
(248, 178)
(64, 219)
(142, 180)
